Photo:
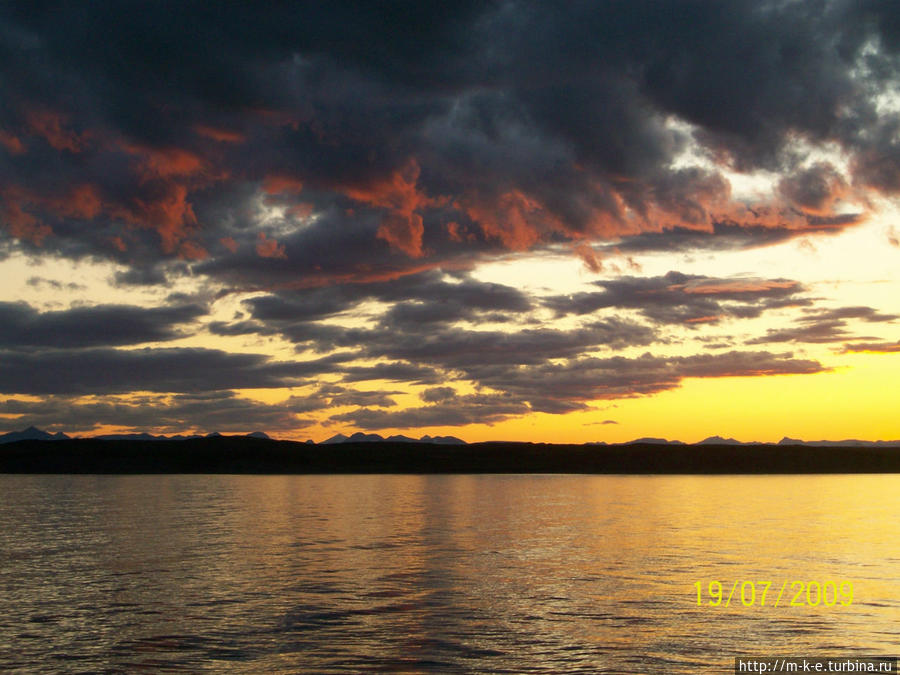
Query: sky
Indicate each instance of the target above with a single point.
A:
(539, 221)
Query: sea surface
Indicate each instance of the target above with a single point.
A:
(442, 574)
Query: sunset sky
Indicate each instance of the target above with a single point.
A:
(547, 221)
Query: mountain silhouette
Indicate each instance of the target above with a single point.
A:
(31, 434)
(360, 437)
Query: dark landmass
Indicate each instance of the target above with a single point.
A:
(250, 455)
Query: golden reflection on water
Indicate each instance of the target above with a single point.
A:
(442, 573)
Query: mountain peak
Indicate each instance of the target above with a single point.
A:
(32, 433)
(718, 440)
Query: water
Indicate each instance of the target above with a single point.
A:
(418, 574)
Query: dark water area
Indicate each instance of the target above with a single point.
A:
(440, 574)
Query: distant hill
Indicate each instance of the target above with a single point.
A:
(360, 437)
(34, 434)
(176, 437)
(31, 434)
(442, 440)
(142, 437)
(654, 441)
(718, 440)
(848, 443)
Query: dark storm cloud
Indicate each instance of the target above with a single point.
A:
(678, 298)
(731, 235)
(814, 189)
(21, 326)
(108, 371)
(436, 132)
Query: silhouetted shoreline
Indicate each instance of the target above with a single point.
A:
(243, 455)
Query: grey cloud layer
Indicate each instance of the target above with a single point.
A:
(561, 388)
(104, 325)
(109, 371)
(682, 299)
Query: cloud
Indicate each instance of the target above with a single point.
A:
(824, 326)
(561, 388)
(22, 327)
(438, 394)
(730, 235)
(815, 189)
(172, 370)
(873, 347)
(269, 248)
(477, 119)
(41, 282)
(475, 408)
(397, 371)
(554, 387)
(426, 297)
(893, 239)
(465, 350)
(677, 298)
(221, 411)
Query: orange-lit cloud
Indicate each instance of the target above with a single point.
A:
(515, 219)
(20, 223)
(51, 126)
(589, 257)
(278, 183)
(170, 214)
(221, 135)
(734, 286)
(165, 162)
(191, 250)
(402, 228)
(13, 144)
(269, 248)
(82, 202)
